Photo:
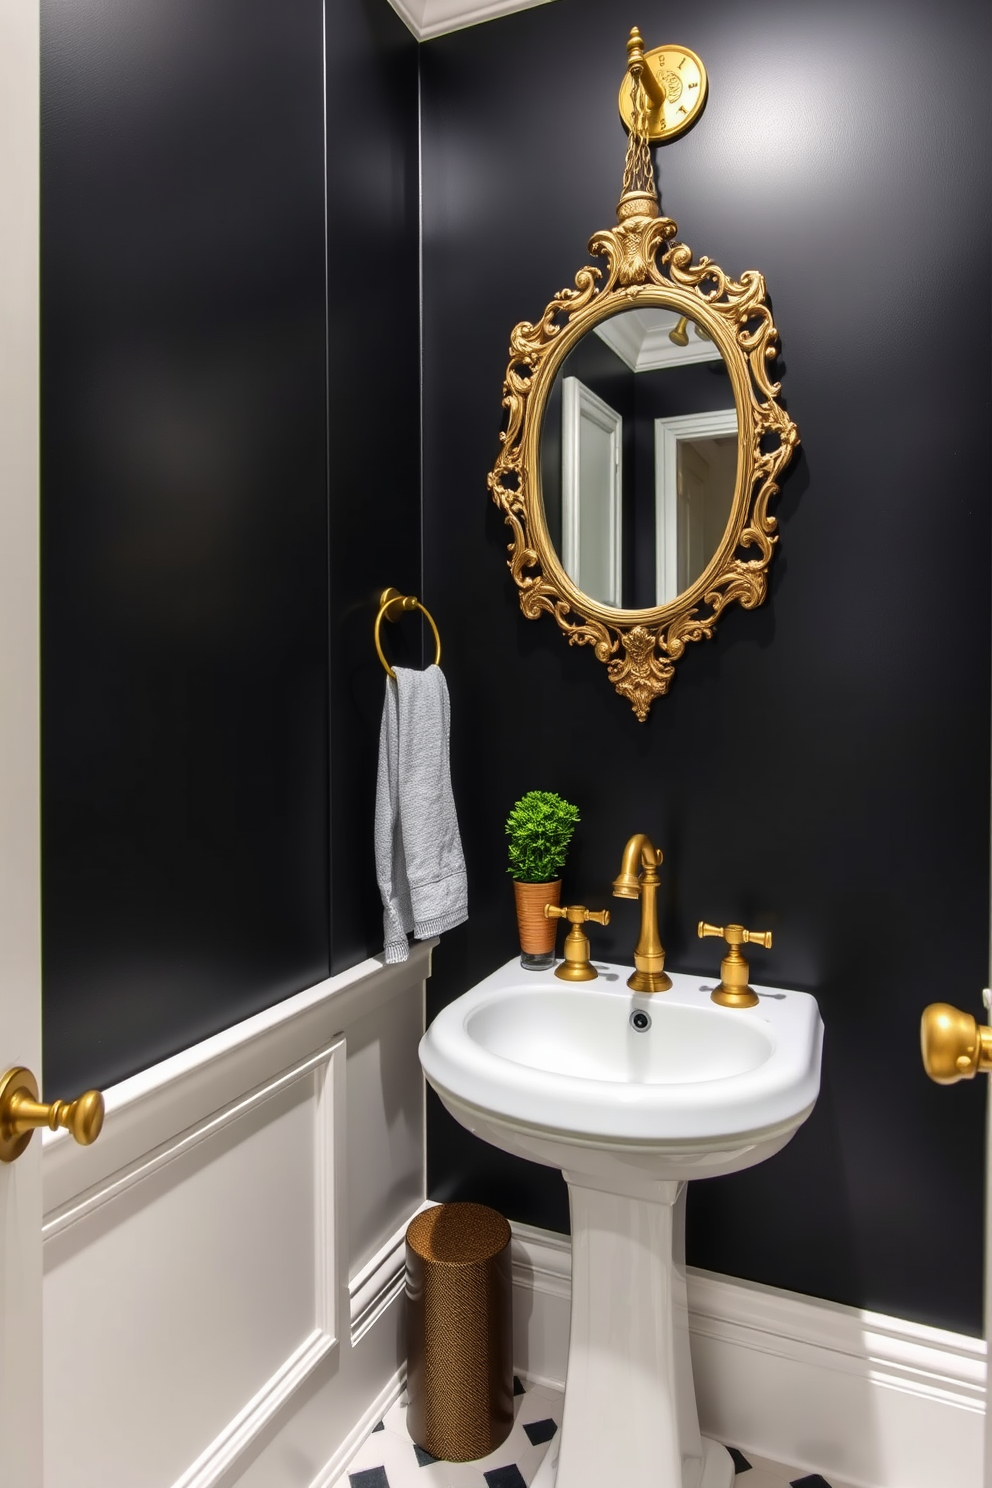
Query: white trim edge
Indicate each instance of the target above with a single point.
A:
(428, 18)
(881, 1402)
(667, 434)
(542, 1260)
(336, 1465)
(380, 1280)
(211, 1466)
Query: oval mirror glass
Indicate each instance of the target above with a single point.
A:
(639, 458)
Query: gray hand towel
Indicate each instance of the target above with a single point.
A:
(418, 852)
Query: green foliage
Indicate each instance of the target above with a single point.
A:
(539, 827)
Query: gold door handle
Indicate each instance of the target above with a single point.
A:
(21, 1111)
(955, 1046)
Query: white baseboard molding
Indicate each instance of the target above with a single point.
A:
(879, 1402)
(373, 1288)
(387, 1397)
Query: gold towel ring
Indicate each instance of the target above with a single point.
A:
(392, 605)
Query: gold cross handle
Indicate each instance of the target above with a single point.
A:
(576, 914)
(576, 966)
(733, 990)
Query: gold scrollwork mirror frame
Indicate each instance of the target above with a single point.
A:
(645, 266)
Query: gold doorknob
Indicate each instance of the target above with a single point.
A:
(21, 1111)
(955, 1047)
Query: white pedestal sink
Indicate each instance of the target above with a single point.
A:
(559, 1073)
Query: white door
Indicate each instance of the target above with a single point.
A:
(987, 1475)
(957, 1046)
(20, 961)
(591, 492)
(692, 488)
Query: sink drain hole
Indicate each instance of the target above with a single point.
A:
(640, 1022)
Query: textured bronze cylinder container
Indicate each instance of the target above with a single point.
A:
(459, 1331)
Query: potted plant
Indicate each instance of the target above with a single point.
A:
(539, 829)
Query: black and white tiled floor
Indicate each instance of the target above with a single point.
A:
(389, 1459)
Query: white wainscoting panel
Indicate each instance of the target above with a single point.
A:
(222, 1242)
(880, 1402)
(385, 1126)
(199, 1311)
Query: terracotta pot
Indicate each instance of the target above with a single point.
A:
(537, 935)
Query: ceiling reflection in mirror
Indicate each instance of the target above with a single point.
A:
(639, 458)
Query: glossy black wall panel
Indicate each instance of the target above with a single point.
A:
(821, 768)
(373, 421)
(185, 503)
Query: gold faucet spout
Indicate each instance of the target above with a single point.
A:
(639, 853)
(638, 878)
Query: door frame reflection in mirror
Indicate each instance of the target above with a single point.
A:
(669, 433)
(645, 266)
(581, 406)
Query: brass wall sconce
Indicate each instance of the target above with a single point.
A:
(679, 336)
(675, 82)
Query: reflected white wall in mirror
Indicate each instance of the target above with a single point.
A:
(592, 492)
(695, 474)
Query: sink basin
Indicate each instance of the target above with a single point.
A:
(630, 1095)
(555, 1072)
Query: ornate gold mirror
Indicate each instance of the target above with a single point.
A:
(643, 441)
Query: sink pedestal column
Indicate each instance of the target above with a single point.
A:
(630, 1404)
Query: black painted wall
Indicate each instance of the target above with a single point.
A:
(231, 471)
(203, 559)
(821, 769)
